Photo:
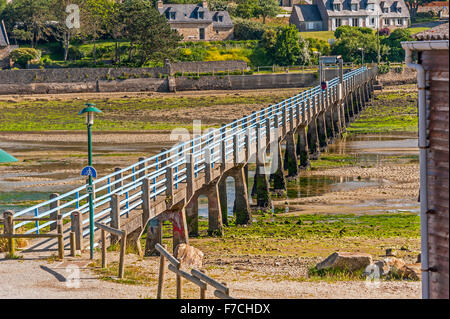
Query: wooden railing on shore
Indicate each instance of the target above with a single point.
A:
(197, 277)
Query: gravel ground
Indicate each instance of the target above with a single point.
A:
(34, 278)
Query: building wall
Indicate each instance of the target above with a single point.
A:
(437, 65)
(191, 31)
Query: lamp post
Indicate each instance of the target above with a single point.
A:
(320, 65)
(378, 38)
(89, 110)
(362, 56)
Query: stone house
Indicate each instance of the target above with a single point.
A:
(5, 47)
(306, 18)
(357, 13)
(195, 22)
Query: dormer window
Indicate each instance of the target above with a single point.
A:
(337, 7)
(370, 7)
(173, 15)
(399, 10)
(201, 15)
(220, 18)
(354, 7)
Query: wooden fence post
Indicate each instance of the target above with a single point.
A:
(123, 246)
(179, 283)
(145, 200)
(115, 216)
(104, 262)
(72, 244)
(118, 178)
(162, 267)
(9, 229)
(54, 205)
(59, 228)
(77, 229)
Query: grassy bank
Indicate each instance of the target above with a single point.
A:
(390, 112)
(121, 114)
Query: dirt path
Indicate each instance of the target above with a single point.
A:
(72, 279)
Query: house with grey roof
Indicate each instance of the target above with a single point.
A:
(5, 47)
(357, 13)
(195, 22)
(306, 18)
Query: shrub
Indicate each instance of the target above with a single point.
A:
(384, 68)
(75, 53)
(248, 30)
(23, 56)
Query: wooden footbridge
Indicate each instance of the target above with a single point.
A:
(167, 186)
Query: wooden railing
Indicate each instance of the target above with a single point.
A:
(123, 245)
(196, 277)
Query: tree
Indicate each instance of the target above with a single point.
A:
(393, 42)
(350, 39)
(285, 47)
(2, 5)
(61, 31)
(266, 8)
(33, 15)
(245, 9)
(413, 6)
(150, 36)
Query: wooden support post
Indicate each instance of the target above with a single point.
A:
(162, 268)
(118, 178)
(72, 244)
(169, 186)
(77, 229)
(123, 246)
(59, 229)
(208, 170)
(222, 149)
(190, 176)
(145, 201)
(104, 261)
(54, 205)
(115, 216)
(9, 229)
(179, 283)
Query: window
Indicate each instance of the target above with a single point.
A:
(172, 15)
(386, 21)
(220, 18)
(354, 22)
(201, 32)
(385, 10)
(399, 21)
(337, 7)
(372, 21)
(399, 9)
(201, 15)
(338, 22)
(310, 26)
(370, 7)
(354, 7)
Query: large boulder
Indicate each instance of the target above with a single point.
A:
(189, 256)
(346, 261)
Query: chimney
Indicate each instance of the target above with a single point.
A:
(159, 4)
(205, 4)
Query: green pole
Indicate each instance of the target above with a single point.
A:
(91, 199)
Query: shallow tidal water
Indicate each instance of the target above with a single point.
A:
(366, 150)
